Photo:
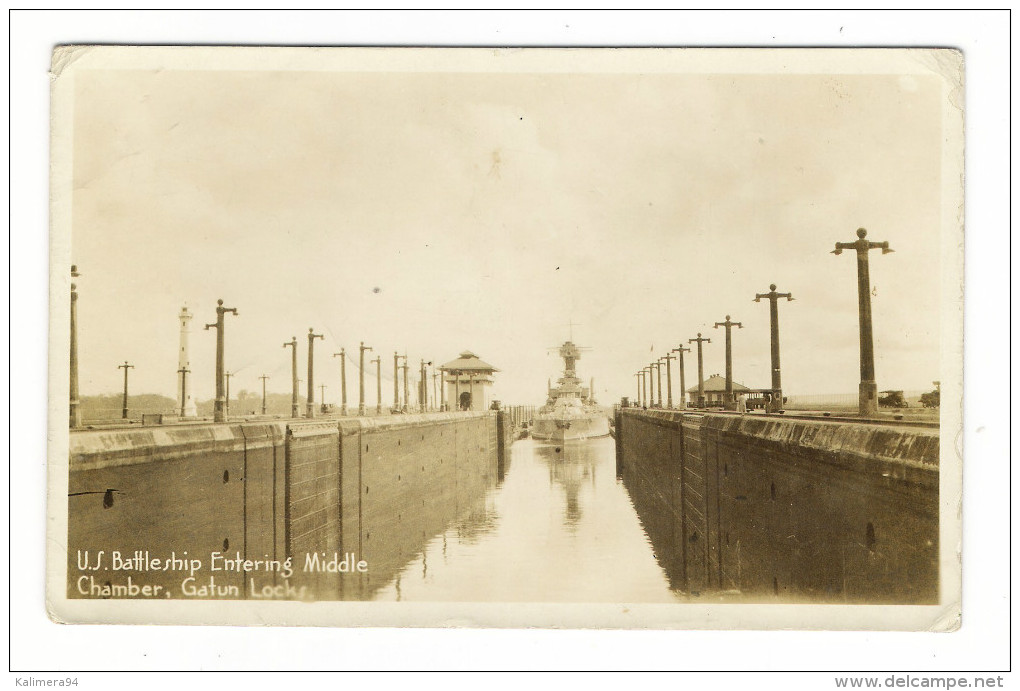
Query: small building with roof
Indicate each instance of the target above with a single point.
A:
(466, 382)
(715, 391)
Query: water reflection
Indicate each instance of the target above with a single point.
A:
(480, 521)
(560, 528)
(570, 465)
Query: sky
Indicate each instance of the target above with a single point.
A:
(436, 213)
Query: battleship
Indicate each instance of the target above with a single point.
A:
(570, 411)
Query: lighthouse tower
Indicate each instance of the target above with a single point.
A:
(187, 403)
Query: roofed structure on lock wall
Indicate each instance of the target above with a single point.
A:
(716, 383)
(468, 362)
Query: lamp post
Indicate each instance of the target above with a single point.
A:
(407, 399)
(378, 384)
(293, 376)
(683, 382)
(701, 368)
(219, 411)
(183, 371)
(424, 387)
(868, 392)
(777, 385)
(263, 378)
(396, 381)
(639, 378)
(343, 380)
(658, 382)
(310, 409)
(124, 407)
(361, 377)
(75, 406)
(729, 355)
(669, 380)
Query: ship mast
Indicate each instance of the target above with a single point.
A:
(569, 383)
(570, 354)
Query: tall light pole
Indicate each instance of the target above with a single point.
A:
(184, 371)
(646, 397)
(396, 381)
(378, 384)
(407, 399)
(729, 355)
(293, 376)
(868, 392)
(658, 382)
(343, 382)
(423, 387)
(435, 388)
(75, 404)
(227, 376)
(639, 376)
(310, 409)
(124, 407)
(701, 368)
(683, 382)
(361, 377)
(219, 411)
(263, 378)
(777, 383)
(669, 380)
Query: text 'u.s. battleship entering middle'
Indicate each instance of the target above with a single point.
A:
(570, 412)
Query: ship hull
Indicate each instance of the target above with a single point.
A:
(559, 429)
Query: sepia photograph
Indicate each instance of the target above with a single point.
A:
(627, 338)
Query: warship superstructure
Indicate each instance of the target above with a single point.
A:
(570, 411)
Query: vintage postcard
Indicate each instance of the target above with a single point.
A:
(617, 338)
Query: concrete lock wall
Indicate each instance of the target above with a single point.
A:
(788, 510)
(405, 480)
(376, 488)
